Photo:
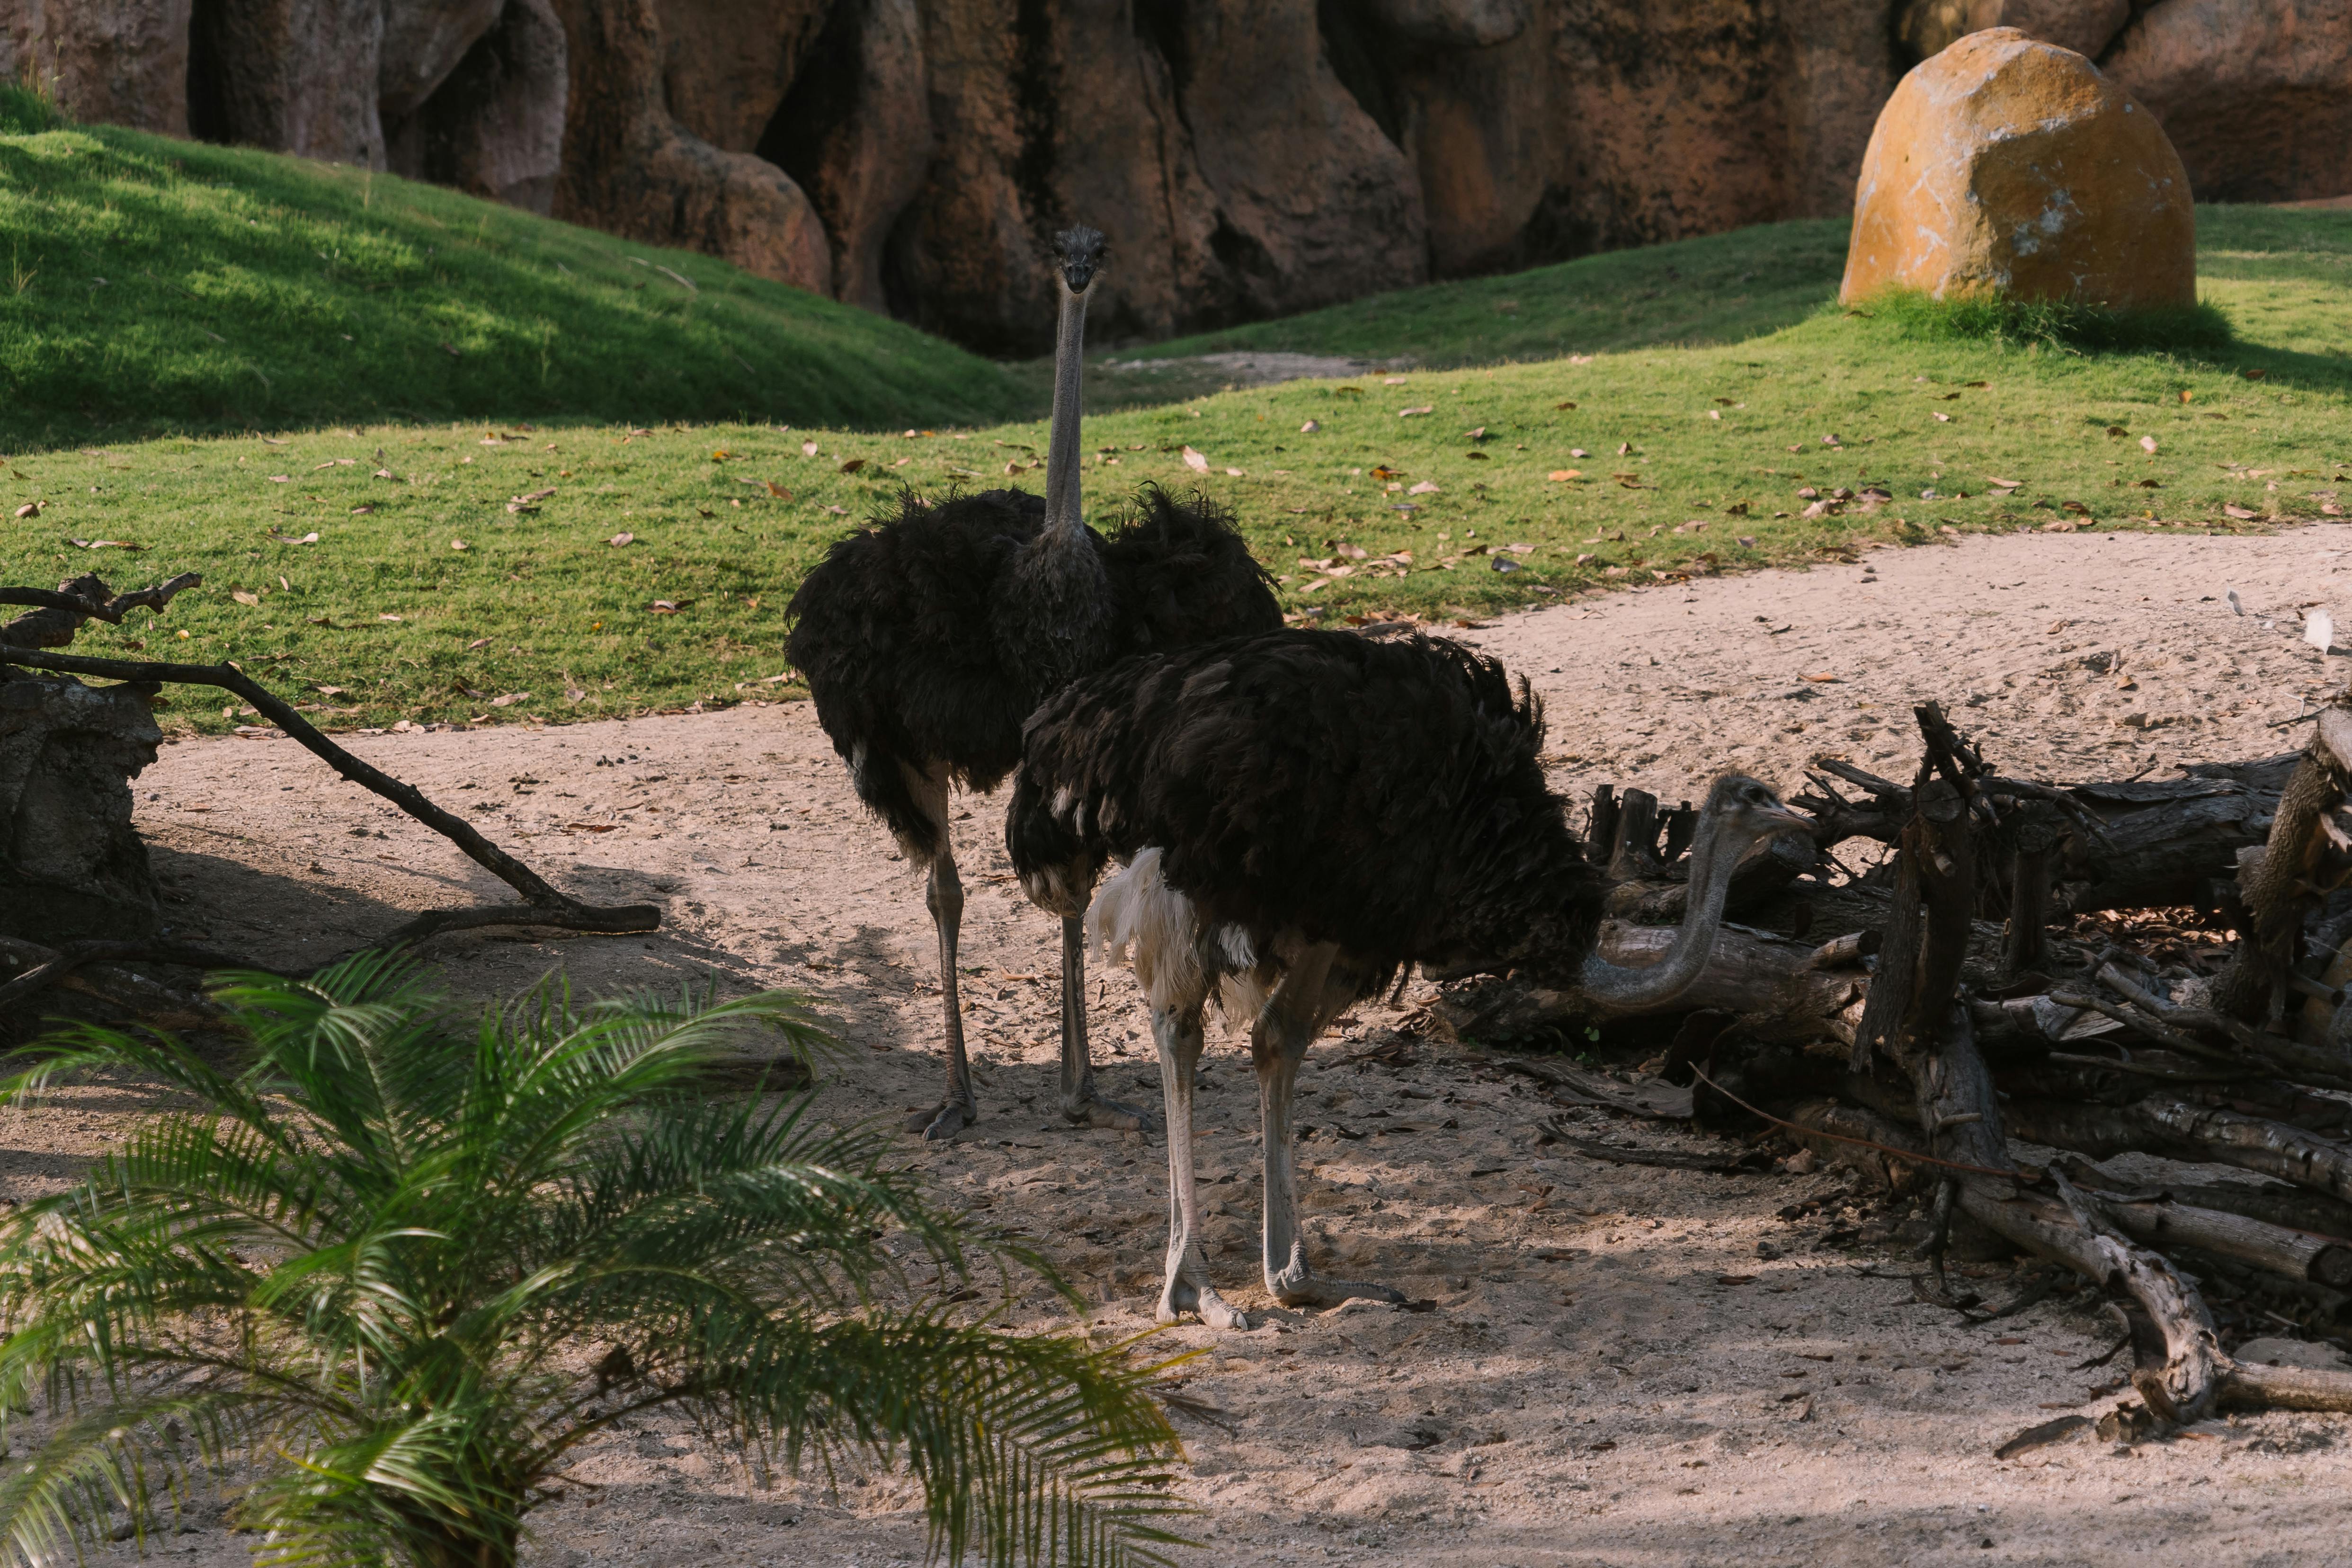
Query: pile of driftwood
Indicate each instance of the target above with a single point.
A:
(2151, 966)
(79, 906)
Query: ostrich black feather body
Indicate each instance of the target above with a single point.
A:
(1385, 796)
(928, 639)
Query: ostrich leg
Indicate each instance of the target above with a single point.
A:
(1080, 1103)
(944, 895)
(1177, 1029)
(1309, 995)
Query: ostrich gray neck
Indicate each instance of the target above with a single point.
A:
(1064, 521)
(1617, 987)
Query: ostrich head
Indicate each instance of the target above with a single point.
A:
(1078, 255)
(1740, 814)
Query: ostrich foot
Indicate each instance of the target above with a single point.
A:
(1182, 1296)
(943, 1123)
(1095, 1110)
(1298, 1286)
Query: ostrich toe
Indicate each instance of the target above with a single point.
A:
(1096, 1111)
(938, 1126)
(1183, 1296)
(1299, 1287)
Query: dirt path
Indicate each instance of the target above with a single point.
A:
(1625, 1366)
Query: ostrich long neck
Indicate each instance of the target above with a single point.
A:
(1064, 521)
(1712, 864)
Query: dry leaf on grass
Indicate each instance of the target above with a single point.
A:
(618, 540)
(1195, 461)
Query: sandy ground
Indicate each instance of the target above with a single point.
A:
(1624, 1366)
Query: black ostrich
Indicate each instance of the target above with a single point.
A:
(926, 639)
(1302, 813)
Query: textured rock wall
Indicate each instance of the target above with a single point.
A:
(1247, 157)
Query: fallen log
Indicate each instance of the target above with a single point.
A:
(2181, 1131)
(2290, 1254)
(2280, 1203)
(2132, 843)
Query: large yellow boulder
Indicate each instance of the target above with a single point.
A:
(2005, 166)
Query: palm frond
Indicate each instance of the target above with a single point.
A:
(367, 1261)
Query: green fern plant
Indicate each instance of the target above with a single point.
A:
(404, 1263)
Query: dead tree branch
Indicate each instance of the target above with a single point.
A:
(542, 905)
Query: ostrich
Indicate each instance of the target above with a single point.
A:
(927, 638)
(1301, 815)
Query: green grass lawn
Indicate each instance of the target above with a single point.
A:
(150, 286)
(1722, 289)
(430, 593)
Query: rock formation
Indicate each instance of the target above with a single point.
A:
(1247, 159)
(2006, 166)
(2253, 93)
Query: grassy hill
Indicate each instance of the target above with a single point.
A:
(394, 568)
(1722, 289)
(2284, 274)
(148, 285)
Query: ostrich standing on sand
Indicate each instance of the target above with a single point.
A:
(927, 640)
(1302, 813)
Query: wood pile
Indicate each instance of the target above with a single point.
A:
(2144, 967)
